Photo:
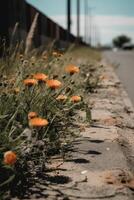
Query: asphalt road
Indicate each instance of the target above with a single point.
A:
(125, 70)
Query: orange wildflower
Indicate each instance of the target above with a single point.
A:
(40, 76)
(75, 99)
(32, 115)
(38, 122)
(10, 158)
(61, 97)
(30, 82)
(53, 84)
(72, 69)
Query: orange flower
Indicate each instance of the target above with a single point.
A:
(40, 76)
(10, 157)
(32, 115)
(75, 99)
(30, 82)
(38, 122)
(61, 97)
(72, 69)
(53, 84)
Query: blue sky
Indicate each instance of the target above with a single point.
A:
(111, 17)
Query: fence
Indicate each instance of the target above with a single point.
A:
(22, 13)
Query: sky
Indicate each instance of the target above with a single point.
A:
(108, 18)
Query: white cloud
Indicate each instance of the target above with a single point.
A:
(114, 20)
(108, 26)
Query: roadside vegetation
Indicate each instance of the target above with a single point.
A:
(40, 96)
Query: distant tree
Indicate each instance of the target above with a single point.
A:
(120, 40)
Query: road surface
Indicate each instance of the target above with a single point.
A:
(125, 70)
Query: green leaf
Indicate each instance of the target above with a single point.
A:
(88, 114)
(3, 116)
(8, 180)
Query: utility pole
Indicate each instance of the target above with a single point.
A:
(78, 20)
(68, 19)
(85, 24)
(90, 24)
